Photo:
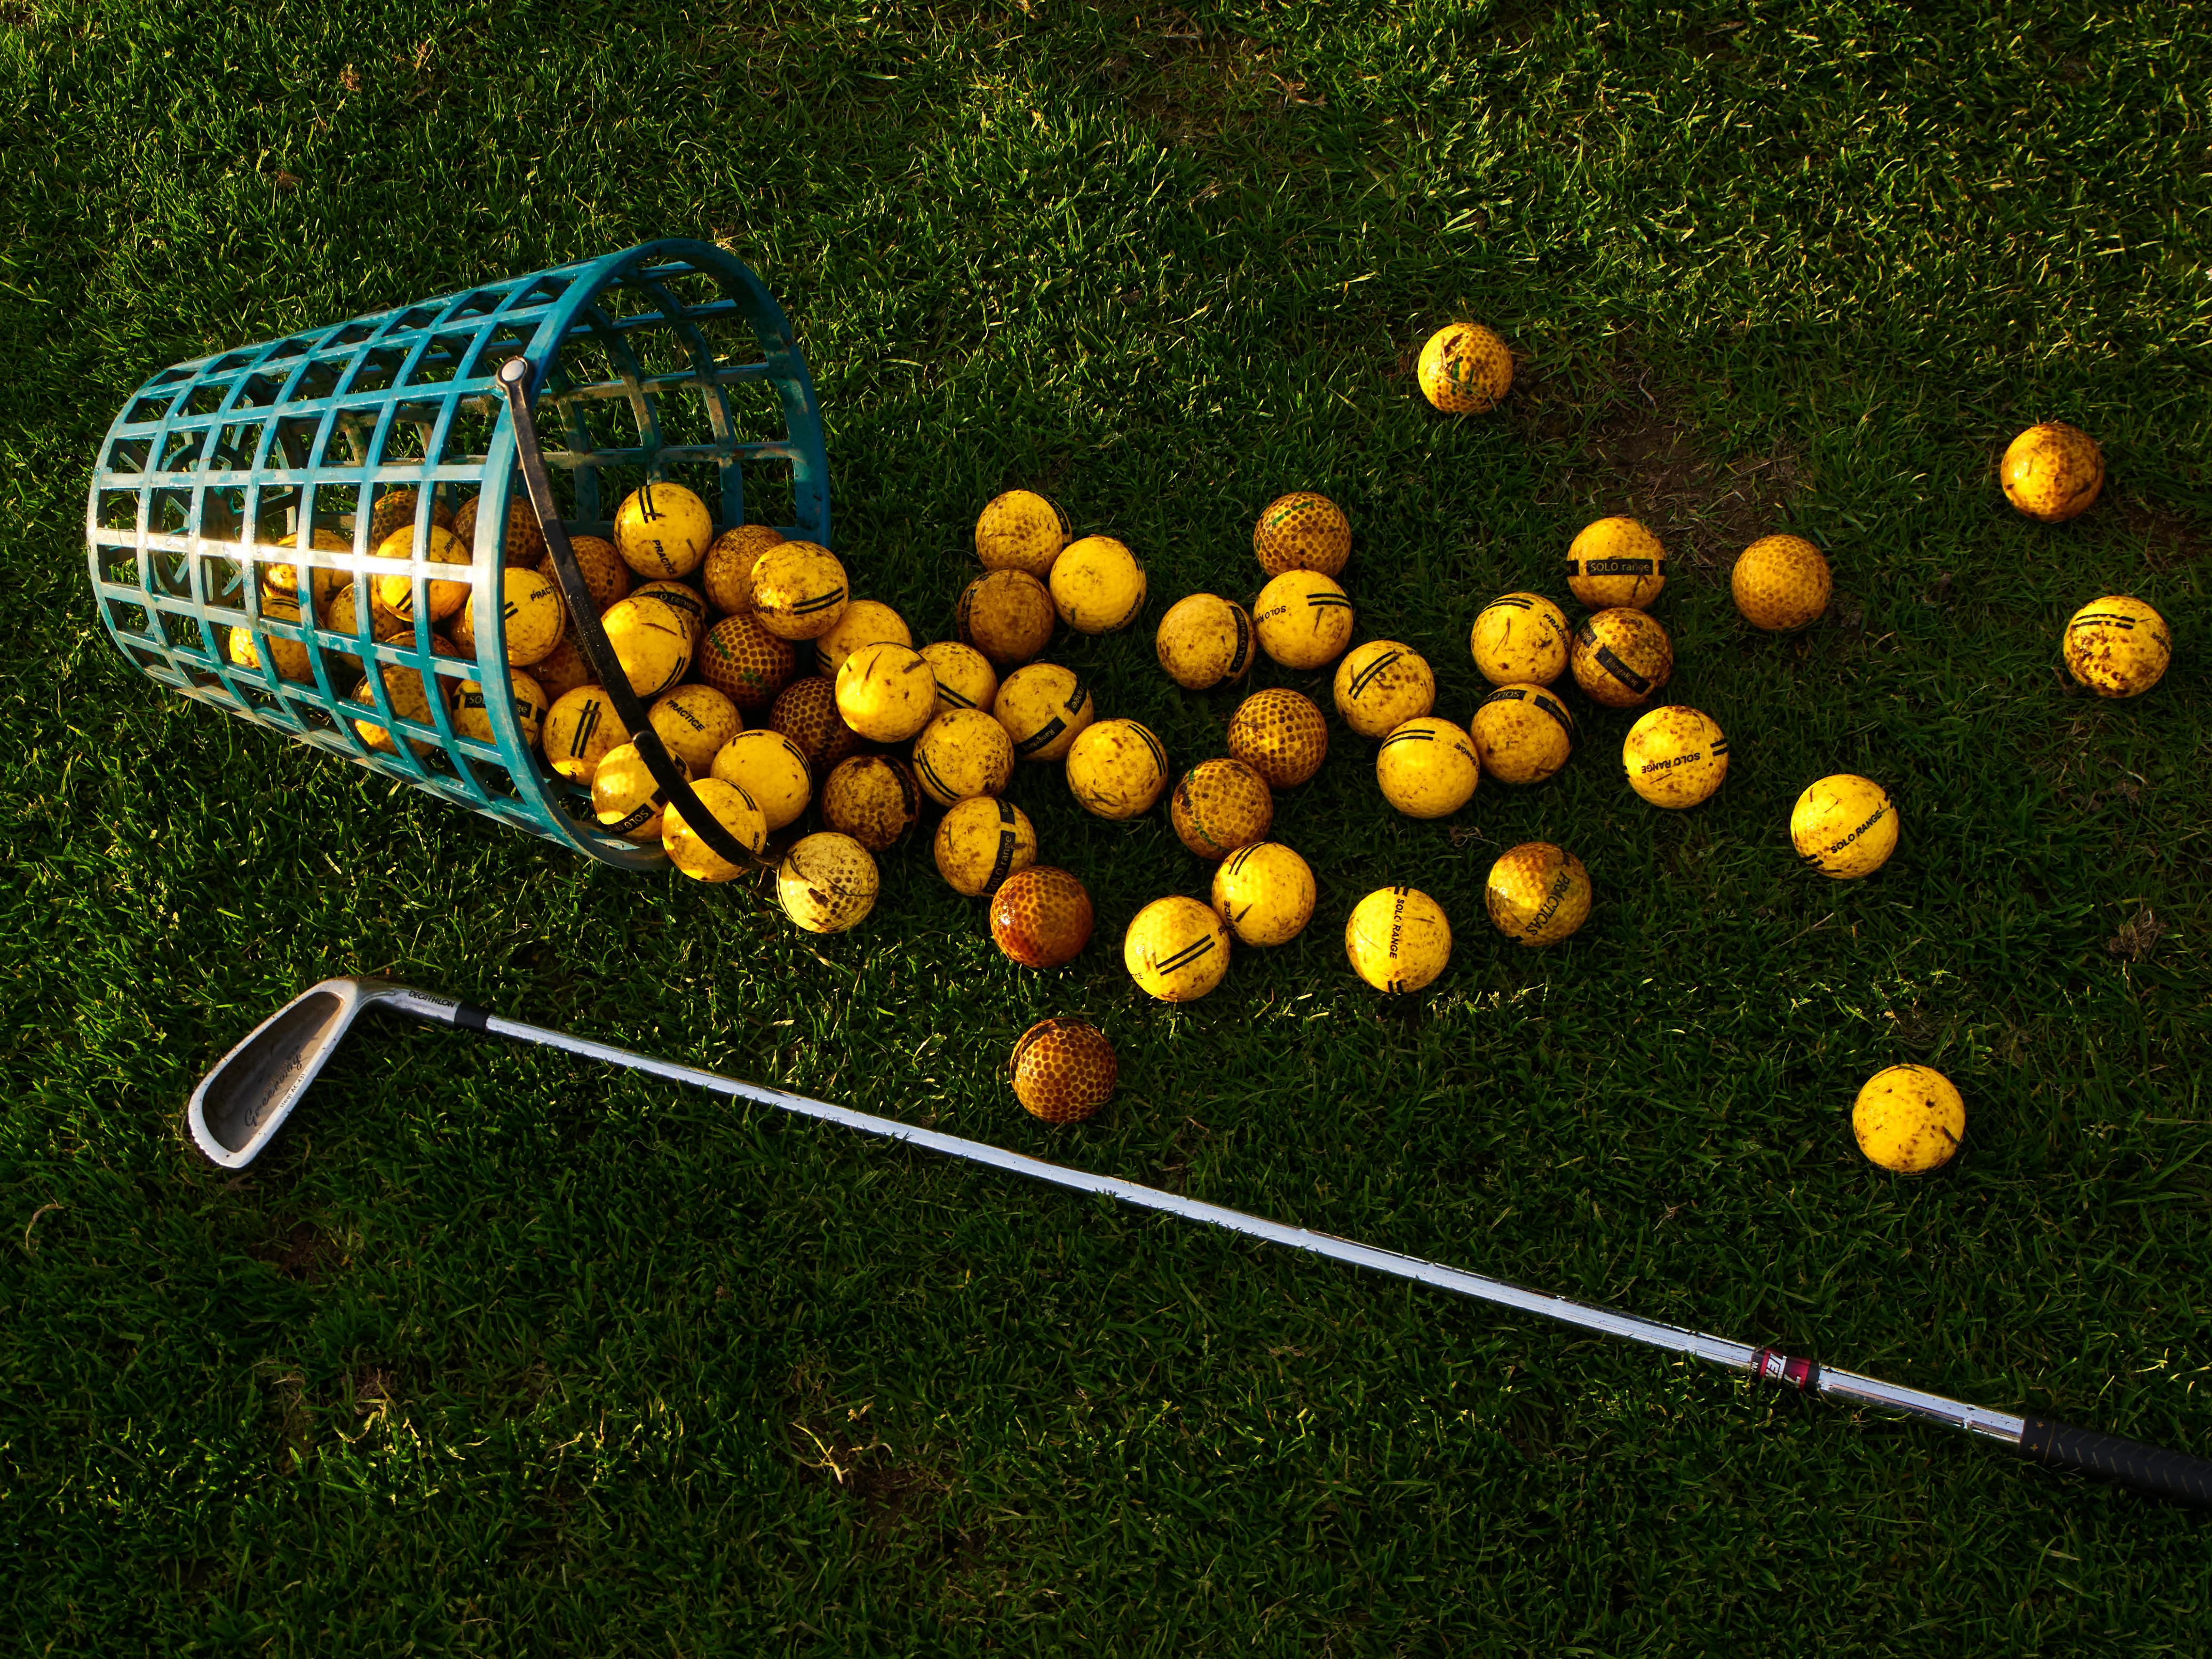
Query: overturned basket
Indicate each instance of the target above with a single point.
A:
(295, 457)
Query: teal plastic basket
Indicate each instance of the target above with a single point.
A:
(662, 363)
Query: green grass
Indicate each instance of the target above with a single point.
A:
(489, 1354)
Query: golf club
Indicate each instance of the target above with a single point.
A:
(242, 1103)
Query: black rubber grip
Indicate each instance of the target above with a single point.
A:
(470, 1017)
(2175, 1476)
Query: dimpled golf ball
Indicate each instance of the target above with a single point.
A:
(866, 621)
(1381, 685)
(1203, 641)
(1177, 950)
(827, 883)
(1043, 708)
(728, 575)
(886, 692)
(1674, 756)
(734, 810)
(1021, 531)
(963, 753)
(1007, 615)
(562, 669)
(606, 578)
(1219, 806)
(1427, 767)
(1041, 917)
(1280, 734)
(395, 507)
(744, 662)
(525, 539)
(288, 657)
(1909, 1119)
(1303, 619)
(2052, 471)
(1116, 769)
(1520, 639)
(1097, 586)
(2118, 647)
(1264, 892)
(1522, 733)
(1616, 562)
(1844, 826)
(771, 769)
(1398, 939)
(663, 530)
(396, 593)
(1465, 369)
(626, 798)
(1781, 583)
(1621, 657)
(872, 797)
(1063, 1070)
(806, 711)
(981, 842)
(965, 678)
(1302, 531)
(1537, 894)
(799, 590)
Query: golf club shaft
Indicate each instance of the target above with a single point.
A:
(2150, 1470)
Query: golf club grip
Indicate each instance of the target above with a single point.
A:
(515, 379)
(2153, 1470)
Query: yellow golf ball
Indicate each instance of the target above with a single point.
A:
(580, 727)
(1381, 685)
(694, 722)
(1427, 767)
(1674, 756)
(1616, 562)
(1097, 586)
(472, 719)
(1520, 639)
(663, 530)
(1844, 826)
(1042, 706)
(1537, 894)
(1177, 950)
(1398, 939)
(1909, 1119)
(1302, 531)
(1021, 530)
(650, 641)
(1203, 641)
(1264, 892)
(1781, 583)
(1280, 734)
(872, 797)
(772, 770)
(865, 621)
(2118, 647)
(982, 841)
(682, 598)
(288, 657)
(1007, 615)
(1303, 619)
(531, 615)
(799, 590)
(2052, 471)
(396, 593)
(1465, 369)
(1219, 806)
(744, 662)
(827, 883)
(886, 692)
(728, 575)
(1621, 657)
(965, 678)
(734, 810)
(1116, 769)
(626, 799)
(963, 753)
(1522, 733)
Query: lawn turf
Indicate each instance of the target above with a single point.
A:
(492, 1355)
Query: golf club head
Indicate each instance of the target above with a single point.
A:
(244, 1100)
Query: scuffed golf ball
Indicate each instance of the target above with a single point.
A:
(1427, 767)
(1281, 735)
(1203, 641)
(1265, 893)
(965, 678)
(734, 810)
(1063, 1070)
(1219, 806)
(872, 797)
(771, 769)
(728, 574)
(887, 693)
(1116, 769)
(1043, 708)
(1041, 916)
(1616, 562)
(1520, 639)
(1621, 657)
(744, 662)
(626, 799)
(2052, 471)
(1844, 826)
(865, 621)
(1021, 531)
(1177, 950)
(1522, 733)
(981, 842)
(963, 752)
(1909, 1119)
(694, 722)
(1674, 756)
(1007, 615)
(1097, 586)
(1465, 369)
(1538, 894)
(1381, 685)
(663, 531)
(827, 883)
(1303, 619)
(1781, 583)
(2116, 646)
(1398, 940)
(1302, 531)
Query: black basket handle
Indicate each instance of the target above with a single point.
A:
(516, 382)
